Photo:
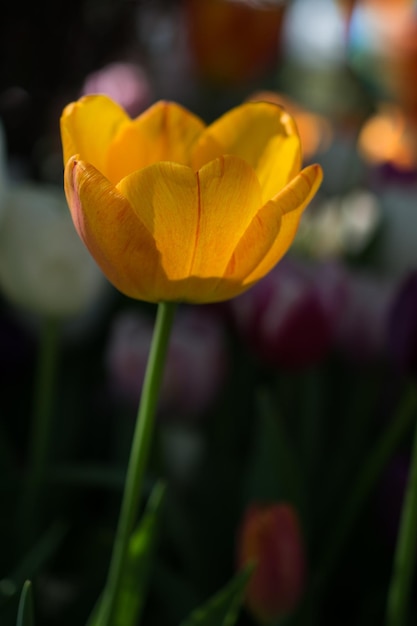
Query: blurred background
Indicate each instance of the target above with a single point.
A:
(300, 393)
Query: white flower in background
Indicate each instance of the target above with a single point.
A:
(321, 44)
(341, 225)
(44, 267)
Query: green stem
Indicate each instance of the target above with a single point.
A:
(405, 552)
(138, 458)
(39, 440)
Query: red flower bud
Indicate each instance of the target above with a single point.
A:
(270, 537)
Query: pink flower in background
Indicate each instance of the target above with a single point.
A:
(270, 537)
(289, 317)
(126, 83)
(196, 364)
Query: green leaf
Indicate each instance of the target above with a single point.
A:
(25, 610)
(223, 608)
(132, 597)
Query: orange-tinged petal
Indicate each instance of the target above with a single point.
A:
(164, 197)
(230, 197)
(291, 201)
(253, 246)
(172, 210)
(196, 219)
(165, 132)
(88, 127)
(258, 132)
(115, 237)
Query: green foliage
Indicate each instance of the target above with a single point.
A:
(32, 561)
(25, 612)
(132, 597)
(223, 608)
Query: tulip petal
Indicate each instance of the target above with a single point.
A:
(291, 201)
(115, 237)
(256, 242)
(261, 133)
(230, 198)
(165, 132)
(278, 165)
(88, 127)
(196, 219)
(164, 197)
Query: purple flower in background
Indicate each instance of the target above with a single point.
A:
(289, 317)
(126, 83)
(196, 363)
(402, 326)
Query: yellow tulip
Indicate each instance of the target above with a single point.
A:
(174, 210)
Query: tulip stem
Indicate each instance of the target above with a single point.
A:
(139, 454)
(405, 552)
(39, 441)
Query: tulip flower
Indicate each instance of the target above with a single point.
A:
(289, 318)
(315, 130)
(270, 538)
(174, 210)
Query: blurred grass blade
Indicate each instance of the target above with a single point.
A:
(25, 610)
(32, 562)
(223, 608)
(133, 590)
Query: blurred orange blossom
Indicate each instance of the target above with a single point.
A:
(233, 42)
(270, 538)
(174, 210)
(389, 137)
